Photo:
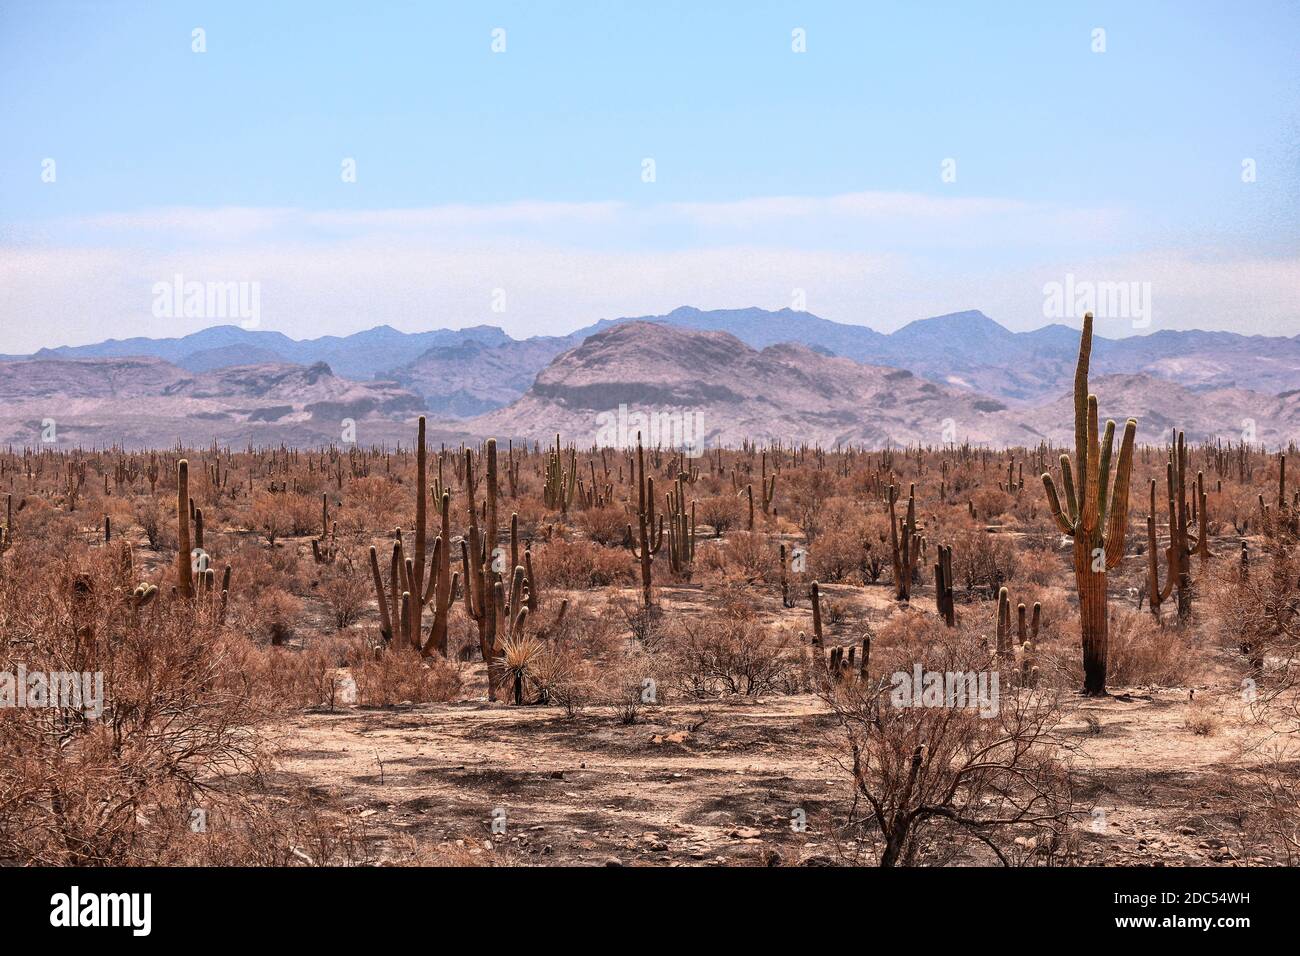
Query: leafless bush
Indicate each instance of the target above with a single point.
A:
(606, 526)
(947, 775)
(401, 675)
(720, 512)
(346, 593)
(983, 562)
(732, 654)
(76, 789)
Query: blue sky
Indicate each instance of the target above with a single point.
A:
(521, 171)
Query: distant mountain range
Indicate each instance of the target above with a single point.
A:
(465, 372)
(147, 402)
(710, 385)
(750, 373)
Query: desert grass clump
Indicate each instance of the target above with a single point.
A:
(1201, 719)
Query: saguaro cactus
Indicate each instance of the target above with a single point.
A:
(943, 586)
(557, 493)
(479, 564)
(442, 583)
(649, 538)
(681, 528)
(1096, 517)
(1003, 632)
(184, 581)
(1182, 543)
(906, 551)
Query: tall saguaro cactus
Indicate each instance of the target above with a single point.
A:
(1182, 542)
(1095, 513)
(184, 572)
(905, 542)
(649, 537)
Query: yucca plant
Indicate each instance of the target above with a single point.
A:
(519, 655)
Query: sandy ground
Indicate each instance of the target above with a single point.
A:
(723, 783)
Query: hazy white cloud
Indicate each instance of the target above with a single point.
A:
(880, 259)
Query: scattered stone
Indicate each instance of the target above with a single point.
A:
(676, 737)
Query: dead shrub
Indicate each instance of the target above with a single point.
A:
(401, 675)
(983, 562)
(933, 782)
(731, 655)
(346, 593)
(273, 616)
(745, 555)
(581, 564)
(991, 503)
(606, 526)
(1201, 720)
(719, 512)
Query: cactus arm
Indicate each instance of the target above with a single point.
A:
(517, 588)
(469, 581)
(1118, 521)
(1153, 566)
(385, 622)
(421, 516)
(1171, 571)
(1054, 503)
(1067, 485)
(1103, 473)
(1171, 558)
(431, 582)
